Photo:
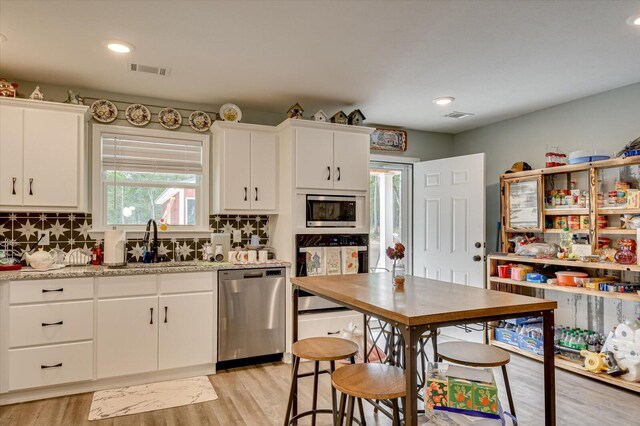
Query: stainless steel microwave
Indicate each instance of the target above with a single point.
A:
(331, 211)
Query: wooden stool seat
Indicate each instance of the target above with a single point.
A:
(324, 348)
(473, 354)
(370, 381)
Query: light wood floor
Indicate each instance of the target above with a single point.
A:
(258, 395)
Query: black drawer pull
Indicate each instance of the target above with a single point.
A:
(329, 170)
(339, 174)
(46, 324)
(245, 193)
(166, 309)
(151, 321)
(333, 332)
(256, 193)
(44, 290)
(30, 186)
(13, 187)
(51, 366)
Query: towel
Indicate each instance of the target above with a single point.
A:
(350, 260)
(333, 260)
(315, 261)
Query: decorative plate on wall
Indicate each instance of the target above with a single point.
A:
(169, 118)
(104, 111)
(230, 112)
(138, 115)
(199, 121)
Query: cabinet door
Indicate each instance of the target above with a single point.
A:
(186, 330)
(11, 152)
(314, 158)
(237, 170)
(351, 161)
(263, 171)
(52, 153)
(127, 336)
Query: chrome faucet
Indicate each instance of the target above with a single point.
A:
(150, 254)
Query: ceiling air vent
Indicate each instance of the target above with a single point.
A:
(161, 71)
(458, 114)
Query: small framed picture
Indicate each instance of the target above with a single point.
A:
(389, 140)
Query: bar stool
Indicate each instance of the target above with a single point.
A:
(369, 381)
(318, 349)
(478, 355)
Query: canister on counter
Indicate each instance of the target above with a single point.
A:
(584, 221)
(603, 222)
(559, 222)
(573, 221)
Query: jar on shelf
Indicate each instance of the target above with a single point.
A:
(627, 253)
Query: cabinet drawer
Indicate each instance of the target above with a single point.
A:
(189, 282)
(50, 323)
(50, 365)
(331, 324)
(132, 285)
(50, 290)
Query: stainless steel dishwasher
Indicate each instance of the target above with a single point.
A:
(251, 313)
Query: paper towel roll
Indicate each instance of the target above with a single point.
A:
(115, 244)
(625, 331)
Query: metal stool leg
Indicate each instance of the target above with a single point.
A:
(362, 421)
(350, 411)
(396, 413)
(343, 398)
(293, 390)
(314, 403)
(506, 383)
(332, 368)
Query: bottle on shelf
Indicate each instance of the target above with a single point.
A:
(566, 238)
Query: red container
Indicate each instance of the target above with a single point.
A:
(504, 271)
(565, 278)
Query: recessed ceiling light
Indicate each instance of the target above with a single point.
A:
(3, 38)
(443, 100)
(119, 46)
(634, 20)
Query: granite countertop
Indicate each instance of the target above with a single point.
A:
(132, 269)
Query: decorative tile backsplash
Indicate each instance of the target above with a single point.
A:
(71, 230)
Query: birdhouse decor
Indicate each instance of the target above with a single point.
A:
(37, 95)
(295, 111)
(340, 118)
(356, 117)
(74, 98)
(320, 116)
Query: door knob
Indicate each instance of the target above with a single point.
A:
(478, 244)
(477, 258)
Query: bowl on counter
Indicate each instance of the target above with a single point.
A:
(566, 278)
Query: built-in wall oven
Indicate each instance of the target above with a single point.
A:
(329, 254)
(331, 211)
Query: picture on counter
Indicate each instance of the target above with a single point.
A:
(333, 260)
(389, 140)
(315, 261)
(350, 263)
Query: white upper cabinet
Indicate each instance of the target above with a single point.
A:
(328, 159)
(43, 156)
(244, 175)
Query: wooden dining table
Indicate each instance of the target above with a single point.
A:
(423, 305)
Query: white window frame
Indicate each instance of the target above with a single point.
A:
(98, 188)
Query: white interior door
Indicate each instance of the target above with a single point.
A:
(449, 222)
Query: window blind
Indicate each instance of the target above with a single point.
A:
(144, 154)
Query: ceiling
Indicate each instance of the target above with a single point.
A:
(499, 59)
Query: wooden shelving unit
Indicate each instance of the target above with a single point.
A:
(572, 366)
(523, 210)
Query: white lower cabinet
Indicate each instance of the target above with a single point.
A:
(50, 365)
(186, 330)
(127, 336)
(328, 324)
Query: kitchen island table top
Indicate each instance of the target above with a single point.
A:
(419, 301)
(419, 308)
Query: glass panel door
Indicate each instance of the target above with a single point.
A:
(390, 185)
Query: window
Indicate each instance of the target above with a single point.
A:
(147, 174)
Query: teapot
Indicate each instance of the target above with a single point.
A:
(41, 260)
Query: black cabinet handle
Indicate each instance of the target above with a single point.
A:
(166, 309)
(245, 193)
(13, 187)
(51, 366)
(44, 290)
(151, 322)
(329, 170)
(256, 193)
(333, 332)
(46, 324)
(30, 186)
(338, 173)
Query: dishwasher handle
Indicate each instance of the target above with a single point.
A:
(258, 274)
